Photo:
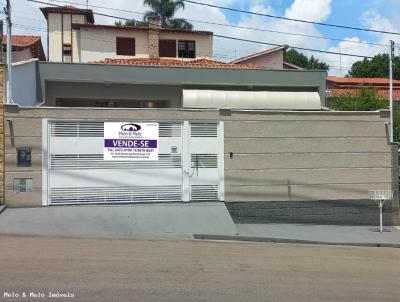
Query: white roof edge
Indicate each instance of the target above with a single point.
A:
(25, 62)
(257, 54)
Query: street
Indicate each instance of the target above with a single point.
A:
(139, 270)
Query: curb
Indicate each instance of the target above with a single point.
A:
(2, 208)
(294, 241)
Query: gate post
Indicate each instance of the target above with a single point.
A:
(185, 161)
(395, 183)
(2, 153)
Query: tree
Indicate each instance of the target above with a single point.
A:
(131, 22)
(377, 67)
(165, 11)
(299, 59)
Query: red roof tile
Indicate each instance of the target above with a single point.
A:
(197, 63)
(383, 93)
(68, 9)
(361, 81)
(21, 42)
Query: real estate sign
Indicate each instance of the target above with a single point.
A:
(131, 141)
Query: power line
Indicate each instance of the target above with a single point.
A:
(95, 13)
(291, 19)
(215, 55)
(295, 47)
(234, 26)
(239, 39)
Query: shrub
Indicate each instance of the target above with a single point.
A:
(365, 100)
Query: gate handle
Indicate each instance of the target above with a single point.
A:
(197, 164)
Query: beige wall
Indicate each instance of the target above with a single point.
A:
(55, 37)
(204, 43)
(59, 31)
(1, 135)
(277, 156)
(18, 56)
(272, 60)
(98, 44)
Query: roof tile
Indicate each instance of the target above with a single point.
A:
(21, 40)
(197, 63)
(360, 81)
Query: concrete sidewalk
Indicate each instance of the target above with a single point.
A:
(175, 220)
(315, 234)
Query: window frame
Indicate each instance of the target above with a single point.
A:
(187, 42)
(28, 186)
(175, 48)
(125, 52)
(70, 50)
(28, 151)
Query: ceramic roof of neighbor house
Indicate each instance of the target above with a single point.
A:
(21, 42)
(160, 62)
(292, 66)
(138, 28)
(68, 9)
(361, 81)
(382, 93)
(261, 53)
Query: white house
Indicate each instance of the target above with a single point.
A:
(73, 36)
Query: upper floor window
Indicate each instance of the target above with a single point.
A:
(67, 52)
(125, 46)
(167, 48)
(186, 49)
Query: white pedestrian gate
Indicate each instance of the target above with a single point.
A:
(190, 165)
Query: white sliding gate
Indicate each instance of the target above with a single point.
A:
(190, 165)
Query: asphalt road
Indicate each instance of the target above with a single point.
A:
(138, 270)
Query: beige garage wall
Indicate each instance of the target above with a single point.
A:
(1, 134)
(276, 156)
(289, 158)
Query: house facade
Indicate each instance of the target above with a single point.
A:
(73, 36)
(24, 48)
(268, 59)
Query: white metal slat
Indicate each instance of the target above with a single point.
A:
(70, 171)
(204, 156)
(203, 139)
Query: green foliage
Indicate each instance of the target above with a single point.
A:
(377, 67)
(365, 100)
(396, 125)
(131, 22)
(165, 11)
(299, 59)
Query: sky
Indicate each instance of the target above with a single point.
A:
(371, 14)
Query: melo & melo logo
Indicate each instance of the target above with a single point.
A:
(131, 127)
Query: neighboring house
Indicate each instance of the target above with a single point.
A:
(268, 59)
(337, 86)
(24, 48)
(73, 36)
